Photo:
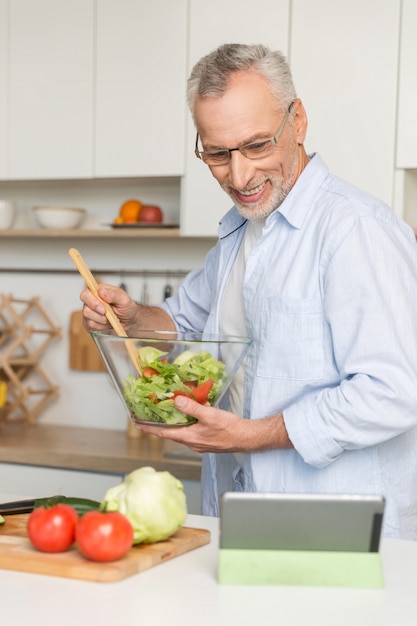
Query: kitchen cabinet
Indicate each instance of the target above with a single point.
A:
(3, 86)
(407, 97)
(50, 89)
(40, 481)
(408, 187)
(96, 89)
(203, 202)
(140, 88)
(344, 59)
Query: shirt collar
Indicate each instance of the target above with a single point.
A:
(298, 202)
(295, 206)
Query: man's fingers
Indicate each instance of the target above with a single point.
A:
(190, 406)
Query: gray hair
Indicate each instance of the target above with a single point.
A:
(210, 75)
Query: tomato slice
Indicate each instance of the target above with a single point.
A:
(201, 392)
(180, 392)
(148, 372)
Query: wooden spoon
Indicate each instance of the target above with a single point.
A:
(110, 314)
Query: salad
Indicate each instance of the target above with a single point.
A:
(150, 398)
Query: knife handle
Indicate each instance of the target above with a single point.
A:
(14, 508)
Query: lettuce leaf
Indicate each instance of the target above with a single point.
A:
(152, 399)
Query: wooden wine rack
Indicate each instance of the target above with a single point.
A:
(25, 333)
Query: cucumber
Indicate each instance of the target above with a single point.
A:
(81, 505)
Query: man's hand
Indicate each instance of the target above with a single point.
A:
(94, 311)
(221, 431)
(131, 314)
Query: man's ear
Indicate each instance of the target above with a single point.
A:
(300, 121)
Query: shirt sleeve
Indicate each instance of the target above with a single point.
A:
(194, 302)
(370, 301)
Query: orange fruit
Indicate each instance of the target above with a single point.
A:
(129, 210)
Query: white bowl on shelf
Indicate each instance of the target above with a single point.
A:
(7, 214)
(58, 217)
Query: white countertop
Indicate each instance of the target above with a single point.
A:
(184, 592)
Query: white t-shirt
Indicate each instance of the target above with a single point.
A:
(232, 319)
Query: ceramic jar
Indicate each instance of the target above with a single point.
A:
(7, 214)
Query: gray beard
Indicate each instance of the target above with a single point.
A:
(257, 212)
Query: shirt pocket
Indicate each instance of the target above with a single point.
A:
(291, 339)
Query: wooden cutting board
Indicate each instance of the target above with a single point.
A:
(17, 553)
(83, 353)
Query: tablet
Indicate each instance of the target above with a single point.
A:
(271, 521)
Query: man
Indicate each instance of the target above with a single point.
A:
(323, 277)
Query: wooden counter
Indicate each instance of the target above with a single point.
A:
(94, 450)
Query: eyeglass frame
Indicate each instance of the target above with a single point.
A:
(274, 140)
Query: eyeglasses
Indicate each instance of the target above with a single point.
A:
(253, 150)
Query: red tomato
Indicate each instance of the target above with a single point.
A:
(148, 372)
(180, 392)
(201, 392)
(52, 529)
(104, 536)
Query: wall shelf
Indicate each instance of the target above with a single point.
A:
(116, 233)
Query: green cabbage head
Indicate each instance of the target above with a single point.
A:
(154, 502)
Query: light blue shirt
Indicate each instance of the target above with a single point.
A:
(330, 298)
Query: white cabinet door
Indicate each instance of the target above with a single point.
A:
(3, 87)
(51, 65)
(42, 482)
(407, 101)
(212, 23)
(344, 58)
(141, 69)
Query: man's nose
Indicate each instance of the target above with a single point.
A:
(241, 169)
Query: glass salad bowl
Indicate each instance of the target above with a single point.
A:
(150, 368)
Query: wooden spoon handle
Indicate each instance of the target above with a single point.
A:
(92, 284)
(93, 287)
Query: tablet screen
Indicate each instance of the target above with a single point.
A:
(270, 521)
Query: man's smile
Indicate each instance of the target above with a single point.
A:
(249, 196)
